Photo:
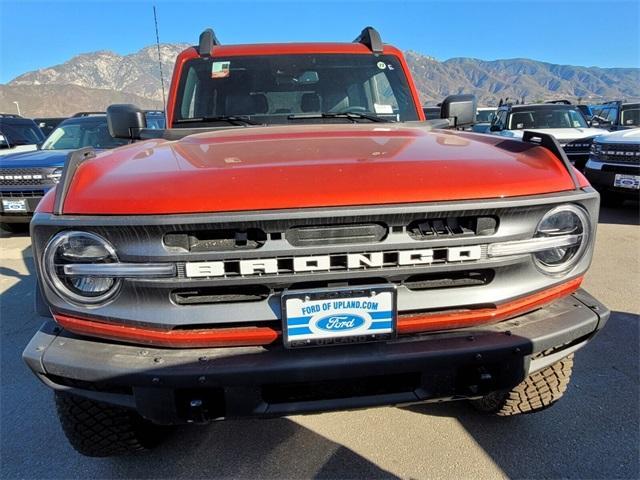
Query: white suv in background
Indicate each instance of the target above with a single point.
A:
(564, 121)
(613, 167)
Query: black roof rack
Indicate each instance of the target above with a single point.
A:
(87, 114)
(206, 43)
(550, 143)
(10, 115)
(370, 38)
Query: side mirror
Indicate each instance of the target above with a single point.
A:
(495, 128)
(3, 142)
(125, 121)
(460, 110)
(594, 123)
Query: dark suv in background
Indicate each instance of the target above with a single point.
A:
(18, 134)
(25, 177)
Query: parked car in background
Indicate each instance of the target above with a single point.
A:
(431, 113)
(48, 124)
(25, 177)
(563, 121)
(484, 117)
(155, 119)
(613, 167)
(586, 110)
(18, 134)
(616, 115)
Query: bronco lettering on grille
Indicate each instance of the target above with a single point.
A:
(318, 263)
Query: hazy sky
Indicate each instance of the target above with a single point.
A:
(603, 33)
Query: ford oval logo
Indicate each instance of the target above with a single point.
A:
(340, 322)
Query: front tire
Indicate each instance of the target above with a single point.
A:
(538, 391)
(96, 429)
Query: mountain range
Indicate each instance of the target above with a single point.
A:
(91, 81)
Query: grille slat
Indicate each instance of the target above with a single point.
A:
(619, 153)
(22, 194)
(26, 176)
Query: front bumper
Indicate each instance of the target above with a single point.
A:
(603, 179)
(169, 386)
(31, 198)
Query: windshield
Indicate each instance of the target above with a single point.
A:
(485, 116)
(630, 117)
(26, 133)
(271, 88)
(72, 136)
(560, 117)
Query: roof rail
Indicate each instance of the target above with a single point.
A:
(371, 39)
(206, 43)
(87, 114)
(73, 161)
(10, 115)
(550, 143)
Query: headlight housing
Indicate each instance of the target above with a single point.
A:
(569, 223)
(67, 248)
(55, 175)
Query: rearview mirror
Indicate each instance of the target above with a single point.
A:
(460, 110)
(125, 121)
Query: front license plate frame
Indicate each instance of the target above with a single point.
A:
(14, 205)
(339, 316)
(631, 182)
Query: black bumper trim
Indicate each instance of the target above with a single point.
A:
(232, 381)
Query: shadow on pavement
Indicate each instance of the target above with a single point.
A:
(592, 432)
(33, 445)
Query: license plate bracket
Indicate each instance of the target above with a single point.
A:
(338, 316)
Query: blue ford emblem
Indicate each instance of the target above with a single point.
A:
(340, 322)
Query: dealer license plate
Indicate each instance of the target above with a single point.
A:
(14, 205)
(338, 316)
(627, 181)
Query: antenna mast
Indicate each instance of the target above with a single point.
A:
(164, 101)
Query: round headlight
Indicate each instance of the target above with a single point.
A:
(55, 175)
(570, 225)
(73, 248)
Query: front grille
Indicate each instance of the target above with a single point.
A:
(26, 176)
(619, 153)
(631, 170)
(257, 292)
(22, 194)
(231, 268)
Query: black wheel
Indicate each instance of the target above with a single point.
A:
(96, 429)
(14, 227)
(538, 391)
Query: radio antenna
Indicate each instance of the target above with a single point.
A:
(164, 101)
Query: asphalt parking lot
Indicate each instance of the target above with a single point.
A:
(593, 432)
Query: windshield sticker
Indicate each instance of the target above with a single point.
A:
(382, 108)
(220, 69)
(382, 65)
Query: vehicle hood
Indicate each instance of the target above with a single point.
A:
(19, 148)
(257, 168)
(563, 135)
(35, 159)
(621, 136)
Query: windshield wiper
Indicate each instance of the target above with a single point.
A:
(232, 119)
(353, 116)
